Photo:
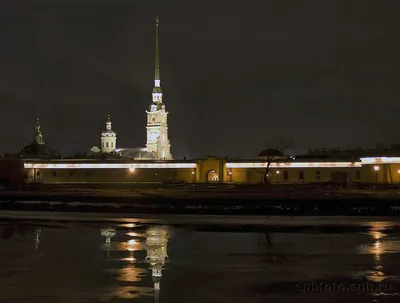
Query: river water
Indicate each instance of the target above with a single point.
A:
(77, 259)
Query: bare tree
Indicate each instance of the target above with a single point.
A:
(275, 150)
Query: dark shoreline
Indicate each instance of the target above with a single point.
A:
(210, 204)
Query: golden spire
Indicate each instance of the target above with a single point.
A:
(157, 88)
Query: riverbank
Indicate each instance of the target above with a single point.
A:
(205, 199)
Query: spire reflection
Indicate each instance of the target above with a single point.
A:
(133, 265)
(156, 245)
(38, 231)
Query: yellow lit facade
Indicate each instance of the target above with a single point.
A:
(213, 170)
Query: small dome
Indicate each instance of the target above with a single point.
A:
(270, 153)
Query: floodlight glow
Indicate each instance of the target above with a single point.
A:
(379, 160)
(292, 164)
(107, 165)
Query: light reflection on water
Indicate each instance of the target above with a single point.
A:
(153, 242)
(380, 243)
(129, 261)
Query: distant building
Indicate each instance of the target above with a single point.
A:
(154, 163)
(38, 149)
(380, 150)
(157, 125)
(158, 146)
(108, 138)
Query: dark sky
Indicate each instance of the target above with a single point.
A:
(235, 73)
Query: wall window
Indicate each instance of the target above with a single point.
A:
(54, 174)
(358, 175)
(301, 175)
(38, 173)
(285, 175)
(318, 175)
(112, 144)
(106, 144)
(71, 173)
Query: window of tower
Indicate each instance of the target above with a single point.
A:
(112, 144)
(106, 144)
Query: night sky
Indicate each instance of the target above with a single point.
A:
(235, 73)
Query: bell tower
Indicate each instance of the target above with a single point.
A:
(108, 138)
(157, 126)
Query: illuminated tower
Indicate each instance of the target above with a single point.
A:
(38, 134)
(157, 126)
(156, 245)
(108, 138)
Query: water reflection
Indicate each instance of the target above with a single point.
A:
(10, 231)
(134, 267)
(37, 237)
(156, 246)
(381, 244)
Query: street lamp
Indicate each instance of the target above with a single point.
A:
(277, 172)
(398, 179)
(131, 171)
(230, 176)
(194, 177)
(376, 168)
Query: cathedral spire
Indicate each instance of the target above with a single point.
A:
(157, 86)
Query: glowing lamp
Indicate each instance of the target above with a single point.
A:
(131, 169)
(376, 168)
(230, 173)
(398, 171)
(192, 172)
(277, 172)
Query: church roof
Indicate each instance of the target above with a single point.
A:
(38, 151)
(135, 153)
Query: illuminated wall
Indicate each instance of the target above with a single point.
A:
(214, 170)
